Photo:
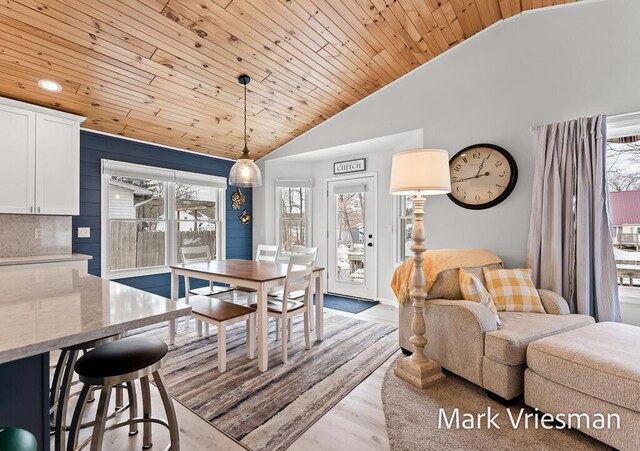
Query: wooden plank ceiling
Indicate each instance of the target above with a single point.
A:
(166, 71)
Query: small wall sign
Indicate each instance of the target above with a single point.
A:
(344, 167)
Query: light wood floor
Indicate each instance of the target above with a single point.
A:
(355, 423)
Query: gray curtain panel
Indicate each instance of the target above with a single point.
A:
(570, 248)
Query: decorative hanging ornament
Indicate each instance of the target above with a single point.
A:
(245, 217)
(237, 199)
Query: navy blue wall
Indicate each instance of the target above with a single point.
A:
(94, 147)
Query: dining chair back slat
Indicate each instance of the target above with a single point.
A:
(195, 254)
(298, 276)
(267, 253)
(296, 250)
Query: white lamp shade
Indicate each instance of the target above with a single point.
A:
(420, 170)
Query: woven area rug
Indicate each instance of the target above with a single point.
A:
(412, 418)
(268, 411)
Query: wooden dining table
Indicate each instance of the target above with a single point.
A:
(260, 276)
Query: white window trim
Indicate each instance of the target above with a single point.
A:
(169, 178)
(308, 205)
(398, 231)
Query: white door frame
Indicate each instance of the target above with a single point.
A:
(342, 178)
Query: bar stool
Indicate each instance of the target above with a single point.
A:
(15, 439)
(123, 362)
(61, 389)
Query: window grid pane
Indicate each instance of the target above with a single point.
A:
(137, 244)
(292, 233)
(131, 198)
(293, 220)
(194, 234)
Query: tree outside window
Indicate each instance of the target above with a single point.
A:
(293, 218)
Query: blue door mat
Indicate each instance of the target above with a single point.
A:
(346, 304)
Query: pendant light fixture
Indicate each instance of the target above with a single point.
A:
(245, 173)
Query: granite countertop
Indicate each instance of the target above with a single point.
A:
(50, 308)
(7, 261)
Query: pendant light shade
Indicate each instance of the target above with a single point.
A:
(244, 172)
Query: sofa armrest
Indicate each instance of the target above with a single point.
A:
(464, 311)
(553, 303)
(456, 333)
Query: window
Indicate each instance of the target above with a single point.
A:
(149, 213)
(137, 223)
(196, 217)
(405, 227)
(293, 218)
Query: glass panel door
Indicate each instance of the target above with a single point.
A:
(351, 237)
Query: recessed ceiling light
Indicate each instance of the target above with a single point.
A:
(50, 85)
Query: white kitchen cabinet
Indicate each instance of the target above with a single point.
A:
(57, 166)
(17, 160)
(39, 160)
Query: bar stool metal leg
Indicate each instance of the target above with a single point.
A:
(146, 412)
(101, 418)
(133, 408)
(61, 408)
(54, 396)
(91, 397)
(77, 417)
(172, 420)
(119, 397)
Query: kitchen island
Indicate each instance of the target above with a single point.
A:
(50, 308)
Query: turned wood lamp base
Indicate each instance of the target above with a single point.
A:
(419, 172)
(418, 370)
(421, 375)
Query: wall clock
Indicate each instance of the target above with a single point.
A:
(482, 176)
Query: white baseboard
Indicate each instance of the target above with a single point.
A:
(384, 301)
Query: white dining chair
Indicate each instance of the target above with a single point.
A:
(202, 254)
(277, 291)
(298, 280)
(221, 314)
(296, 249)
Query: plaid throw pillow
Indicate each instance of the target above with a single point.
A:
(473, 290)
(512, 290)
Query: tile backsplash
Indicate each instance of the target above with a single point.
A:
(17, 235)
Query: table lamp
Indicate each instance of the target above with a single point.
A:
(419, 172)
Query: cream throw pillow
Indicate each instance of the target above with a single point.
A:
(513, 290)
(473, 290)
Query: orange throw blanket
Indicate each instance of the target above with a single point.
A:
(435, 262)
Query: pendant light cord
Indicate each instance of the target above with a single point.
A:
(245, 116)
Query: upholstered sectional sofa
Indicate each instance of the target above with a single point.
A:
(464, 338)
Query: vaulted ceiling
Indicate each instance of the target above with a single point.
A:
(166, 71)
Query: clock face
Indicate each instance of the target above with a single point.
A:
(482, 175)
